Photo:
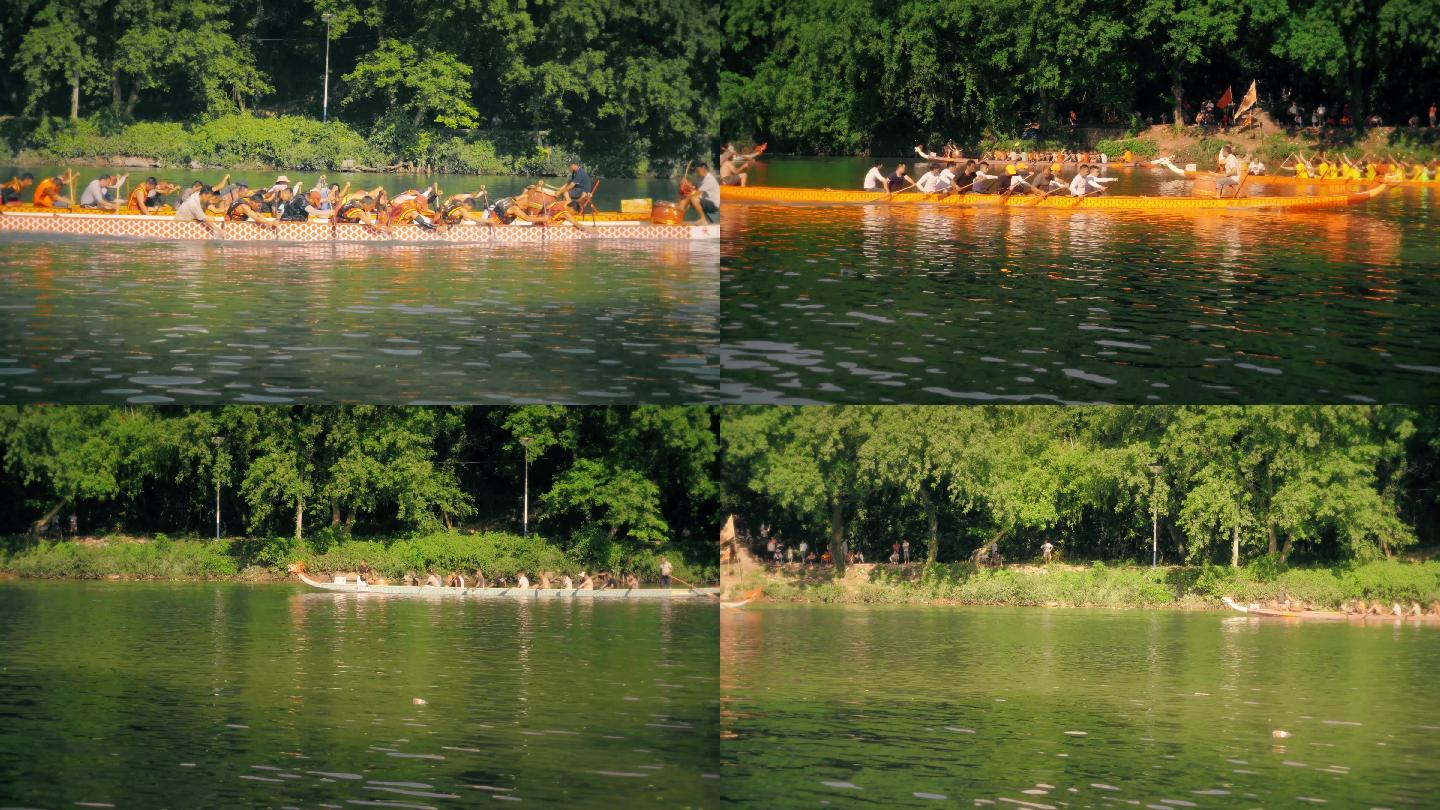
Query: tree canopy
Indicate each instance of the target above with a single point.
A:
(847, 76)
(611, 479)
(1221, 483)
(626, 84)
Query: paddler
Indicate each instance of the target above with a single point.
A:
(984, 182)
(706, 198)
(249, 209)
(577, 185)
(1046, 180)
(1229, 174)
(47, 191)
(460, 207)
(731, 171)
(929, 182)
(96, 195)
(898, 180)
(10, 190)
(363, 211)
(192, 208)
(1016, 182)
(147, 196)
(875, 178)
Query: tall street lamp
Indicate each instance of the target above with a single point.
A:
(325, 108)
(1154, 516)
(525, 515)
(218, 441)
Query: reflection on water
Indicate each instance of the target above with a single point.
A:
(907, 304)
(107, 321)
(223, 696)
(1070, 708)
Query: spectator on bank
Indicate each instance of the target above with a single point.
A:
(1047, 550)
(1433, 114)
(905, 551)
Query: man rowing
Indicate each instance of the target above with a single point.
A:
(249, 209)
(96, 195)
(193, 208)
(1230, 174)
(577, 185)
(732, 171)
(898, 180)
(11, 189)
(1047, 180)
(984, 182)
(148, 196)
(875, 178)
(930, 182)
(362, 210)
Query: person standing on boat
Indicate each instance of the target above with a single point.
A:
(875, 178)
(665, 569)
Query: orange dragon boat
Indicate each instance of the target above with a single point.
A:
(1099, 202)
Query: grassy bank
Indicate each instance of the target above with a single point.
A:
(1098, 585)
(257, 559)
(284, 142)
(1191, 146)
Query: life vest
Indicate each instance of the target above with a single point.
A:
(453, 213)
(293, 211)
(233, 215)
(350, 212)
(504, 209)
(46, 191)
(1302, 172)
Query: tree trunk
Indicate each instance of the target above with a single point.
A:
(334, 513)
(1285, 551)
(1274, 541)
(1177, 89)
(837, 534)
(131, 101)
(1235, 547)
(419, 117)
(299, 518)
(1357, 96)
(39, 526)
(115, 92)
(933, 516)
(75, 97)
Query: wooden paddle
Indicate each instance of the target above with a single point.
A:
(693, 588)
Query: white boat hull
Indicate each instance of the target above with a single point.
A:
(647, 594)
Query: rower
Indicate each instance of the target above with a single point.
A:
(521, 581)
(147, 195)
(898, 180)
(361, 210)
(706, 198)
(875, 178)
(1229, 174)
(192, 208)
(1096, 183)
(965, 181)
(576, 185)
(10, 191)
(1016, 181)
(544, 583)
(566, 582)
(479, 578)
(984, 182)
(1079, 185)
(1046, 180)
(948, 177)
(292, 206)
(433, 581)
(1257, 166)
(96, 196)
(248, 209)
(929, 182)
(631, 581)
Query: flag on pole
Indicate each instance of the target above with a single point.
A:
(1227, 99)
(1248, 101)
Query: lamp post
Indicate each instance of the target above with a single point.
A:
(325, 105)
(525, 513)
(218, 441)
(1154, 516)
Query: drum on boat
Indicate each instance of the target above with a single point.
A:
(666, 213)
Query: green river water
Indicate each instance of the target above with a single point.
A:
(1036, 708)
(211, 695)
(116, 321)
(905, 304)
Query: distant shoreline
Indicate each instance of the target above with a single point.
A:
(1185, 588)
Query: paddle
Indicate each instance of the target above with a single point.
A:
(693, 588)
(1244, 175)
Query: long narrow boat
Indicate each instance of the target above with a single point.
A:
(644, 594)
(1291, 180)
(167, 228)
(1104, 202)
(1326, 615)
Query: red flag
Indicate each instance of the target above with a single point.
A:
(1227, 99)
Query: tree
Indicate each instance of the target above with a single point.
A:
(60, 44)
(424, 84)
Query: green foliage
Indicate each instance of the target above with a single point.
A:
(1140, 147)
(126, 559)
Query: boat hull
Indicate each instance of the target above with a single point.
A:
(1290, 180)
(1106, 202)
(162, 228)
(1331, 616)
(612, 594)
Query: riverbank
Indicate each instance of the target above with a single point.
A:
(281, 143)
(1097, 585)
(249, 559)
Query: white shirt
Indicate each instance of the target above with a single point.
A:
(710, 189)
(192, 210)
(1098, 183)
(522, 581)
(1018, 182)
(1079, 185)
(1256, 167)
(93, 195)
(927, 181)
(947, 177)
(875, 180)
(1232, 165)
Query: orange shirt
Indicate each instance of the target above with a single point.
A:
(138, 195)
(46, 191)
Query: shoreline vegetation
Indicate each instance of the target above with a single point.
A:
(249, 559)
(1182, 587)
